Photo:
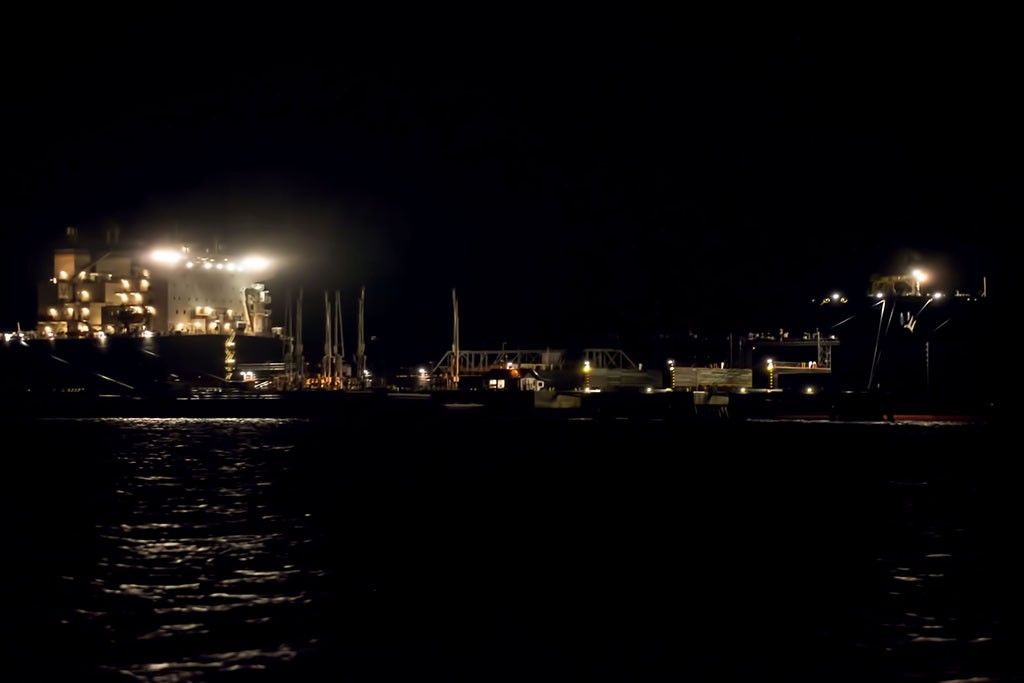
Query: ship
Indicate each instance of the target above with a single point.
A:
(142, 319)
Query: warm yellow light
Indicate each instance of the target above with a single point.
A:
(123, 297)
(255, 263)
(586, 366)
(53, 312)
(150, 310)
(230, 313)
(920, 275)
(48, 329)
(144, 285)
(166, 256)
(62, 275)
(189, 264)
(125, 283)
(179, 327)
(85, 311)
(207, 265)
(220, 266)
(85, 295)
(198, 324)
(231, 267)
(207, 310)
(70, 310)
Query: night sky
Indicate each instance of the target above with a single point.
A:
(579, 187)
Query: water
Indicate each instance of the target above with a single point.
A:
(169, 550)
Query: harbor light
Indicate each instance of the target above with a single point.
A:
(167, 256)
(937, 295)
(190, 265)
(62, 275)
(85, 311)
(53, 312)
(85, 295)
(207, 265)
(920, 275)
(255, 263)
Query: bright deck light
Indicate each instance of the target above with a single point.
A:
(255, 263)
(165, 256)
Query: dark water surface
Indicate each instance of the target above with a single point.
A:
(170, 550)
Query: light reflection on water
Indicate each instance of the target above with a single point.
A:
(268, 549)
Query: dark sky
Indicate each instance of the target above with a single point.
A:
(578, 187)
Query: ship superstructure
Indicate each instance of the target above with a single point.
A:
(179, 289)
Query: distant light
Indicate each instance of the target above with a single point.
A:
(125, 283)
(165, 256)
(808, 390)
(255, 262)
(231, 267)
(671, 363)
(85, 311)
(220, 266)
(207, 265)
(81, 275)
(230, 313)
(743, 390)
(835, 296)
(423, 371)
(53, 312)
(586, 366)
(648, 390)
(189, 264)
(48, 330)
(101, 335)
(937, 295)
(878, 295)
(179, 327)
(85, 295)
(62, 275)
(207, 310)
(920, 275)
(147, 334)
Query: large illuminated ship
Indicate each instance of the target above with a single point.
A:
(135, 319)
